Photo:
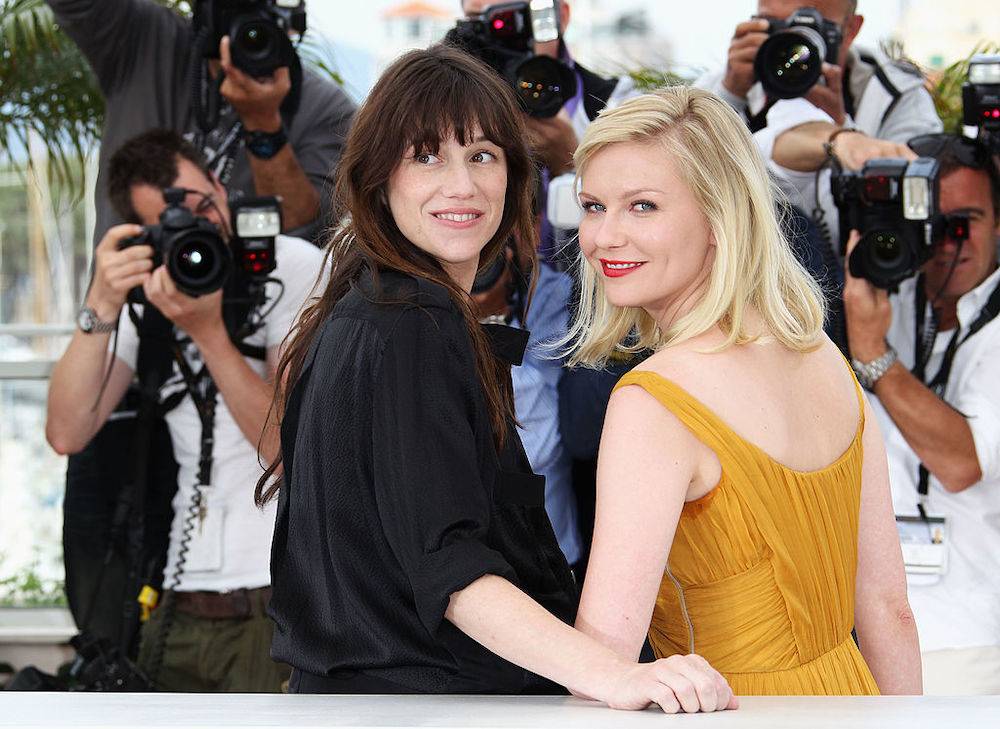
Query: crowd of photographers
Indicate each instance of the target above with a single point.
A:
(217, 153)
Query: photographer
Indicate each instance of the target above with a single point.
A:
(857, 89)
(277, 133)
(929, 354)
(210, 632)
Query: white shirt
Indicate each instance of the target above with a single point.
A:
(231, 547)
(960, 609)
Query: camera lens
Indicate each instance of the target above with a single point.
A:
(543, 85)
(259, 44)
(887, 249)
(199, 263)
(790, 62)
(883, 257)
(256, 39)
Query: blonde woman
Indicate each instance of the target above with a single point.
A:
(743, 500)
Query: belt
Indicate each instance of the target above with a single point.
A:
(240, 603)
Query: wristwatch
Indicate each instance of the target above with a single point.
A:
(871, 372)
(264, 145)
(88, 322)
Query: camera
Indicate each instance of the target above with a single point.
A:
(503, 36)
(257, 29)
(790, 61)
(893, 203)
(981, 100)
(196, 256)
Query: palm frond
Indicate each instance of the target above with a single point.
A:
(946, 88)
(320, 55)
(47, 90)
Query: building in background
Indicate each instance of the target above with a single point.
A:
(414, 24)
(613, 41)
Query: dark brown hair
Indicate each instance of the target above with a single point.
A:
(149, 158)
(423, 98)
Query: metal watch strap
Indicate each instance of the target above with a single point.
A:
(871, 372)
(89, 323)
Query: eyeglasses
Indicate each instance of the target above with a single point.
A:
(967, 152)
(206, 201)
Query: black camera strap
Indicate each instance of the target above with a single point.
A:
(758, 121)
(153, 368)
(923, 352)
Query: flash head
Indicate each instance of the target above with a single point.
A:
(256, 223)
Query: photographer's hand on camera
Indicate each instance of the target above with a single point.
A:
(553, 141)
(200, 317)
(867, 310)
(829, 96)
(116, 272)
(258, 102)
(747, 39)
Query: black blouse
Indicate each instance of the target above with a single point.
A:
(395, 497)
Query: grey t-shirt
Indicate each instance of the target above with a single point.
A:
(141, 54)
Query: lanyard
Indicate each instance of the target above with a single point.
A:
(924, 346)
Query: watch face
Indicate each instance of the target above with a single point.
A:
(85, 320)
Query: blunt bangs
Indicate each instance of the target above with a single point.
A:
(441, 100)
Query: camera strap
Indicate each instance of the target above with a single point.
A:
(940, 381)
(758, 121)
(224, 158)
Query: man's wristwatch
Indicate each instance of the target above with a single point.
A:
(264, 145)
(870, 372)
(88, 322)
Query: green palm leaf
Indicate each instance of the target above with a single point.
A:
(46, 88)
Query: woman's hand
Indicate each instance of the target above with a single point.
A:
(678, 683)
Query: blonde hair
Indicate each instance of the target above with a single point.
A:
(754, 265)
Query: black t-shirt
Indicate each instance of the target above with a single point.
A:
(396, 497)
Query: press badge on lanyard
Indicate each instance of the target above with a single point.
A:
(925, 542)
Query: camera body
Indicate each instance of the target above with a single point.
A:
(198, 258)
(790, 61)
(981, 100)
(504, 35)
(257, 29)
(894, 204)
(196, 255)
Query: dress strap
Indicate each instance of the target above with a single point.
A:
(706, 426)
(859, 391)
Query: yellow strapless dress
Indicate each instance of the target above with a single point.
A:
(760, 577)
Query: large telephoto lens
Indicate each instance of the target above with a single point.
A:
(543, 85)
(199, 262)
(790, 62)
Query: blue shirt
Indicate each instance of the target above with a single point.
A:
(536, 403)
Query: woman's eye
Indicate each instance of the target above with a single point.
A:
(592, 207)
(425, 159)
(483, 156)
(643, 206)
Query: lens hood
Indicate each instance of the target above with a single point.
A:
(790, 62)
(542, 85)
